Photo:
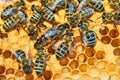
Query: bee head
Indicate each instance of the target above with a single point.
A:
(26, 69)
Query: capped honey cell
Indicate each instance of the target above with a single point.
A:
(114, 33)
(2, 69)
(3, 77)
(103, 30)
(92, 61)
(114, 77)
(63, 61)
(10, 71)
(90, 51)
(82, 58)
(115, 42)
(118, 61)
(102, 65)
(65, 70)
(116, 51)
(47, 75)
(94, 71)
(73, 64)
(83, 67)
(100, 54)
(7, 54)
(106, 39)
(29, 77)
(75, 74)
(71, 54)
(112, 67)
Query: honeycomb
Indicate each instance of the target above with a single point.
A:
(85, 63)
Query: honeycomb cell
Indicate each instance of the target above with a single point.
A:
(114, 77)
(5, 45)
(19, 74)
(118, 61)
(114, 33)
(13, 57)
(11, 78)
(2, 69)
(65, 70)
(63, 61)
(29, 77)
(96, 78)
(7, 54)
(103, 30)
(47, 75)
(115, 42)
(57, 76)
(92, 61)
(10, 71)
(83, 67)
(72, 54)
(4, 36)
(90, 51)
(116, 51)
(73, 64)
(39, 78)
(77, 39)
(0, 51)
(93, 71)
(106, 39)
(82, 58)
(79, 48)
(75, 75)
(102, 65)
(3, 77)
(104, 75)
(112, 67)
(100, 54)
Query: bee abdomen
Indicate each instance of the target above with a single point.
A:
(35, 18)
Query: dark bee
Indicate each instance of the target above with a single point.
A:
(43, 2)
(50, 35)
(23, 58)
(36, 8)
(48, 14)
(115, 4)
(89, 38)
(8, 12)
(32, 32)
(83, 26)
(96, 5)
(81, 5)
(3, 36)
(36, 17)
(65, 46)
(14, 21)
(40, 62)
(19, 3)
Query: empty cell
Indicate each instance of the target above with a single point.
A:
(84, 68)
(73, 64)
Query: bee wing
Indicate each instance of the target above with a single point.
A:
(81, 5)
(85, 41)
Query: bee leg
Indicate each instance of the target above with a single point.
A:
(88, 19)
(18, 30)
(115, 25)
(24, 28)
(44, 26)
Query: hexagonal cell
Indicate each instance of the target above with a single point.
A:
(94, 71)
(114, 77)
(7, 54)
(114, 33)
(116, 51)
(92, 61)
(112, 67)
(75, 74)
(106, 39)
(102, 65)
(82, 58)
(47, 75)
(63, 61)
(104, 75)
(117, 61)
(0, 51)
(13, 57)
(90, 51)
(103, 30)
(29, 77)
(2, 69)
(77, 39)
(83, 67)
(57, 76)
(11, 78)
(86, 77)
(65, 70)
(100, 54)
(79, 48)
(73, 64)
(68, 78)
(115, 42)
(39, 78)
(4, 36)
(71, 54)
(96, 78)
(10, 71)
(19, 74)
(3, 77)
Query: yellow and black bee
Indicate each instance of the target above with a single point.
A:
(40, 62)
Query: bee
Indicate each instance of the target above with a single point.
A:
(98, 6)
(43, 2)
(23, 58)
(48, 14)
(36, 8)
(82, 26)
(40, 62)
(8, 12)
(50, 35)
(3, 36)
(14, 21)
(89, 38)
(81, 5)
(32, 32)
(65, 46)
(19, 3)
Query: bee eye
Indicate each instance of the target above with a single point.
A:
(88, 36)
